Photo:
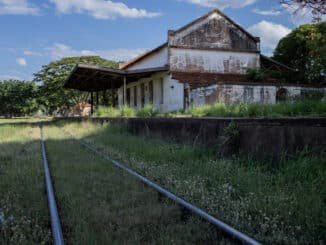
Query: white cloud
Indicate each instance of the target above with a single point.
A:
(59, 51)
(28, 52)
(270, 33)
(270, 12)
(300, 15)
(17, 7)
(101, 9)
(21, 61)
(222, 4)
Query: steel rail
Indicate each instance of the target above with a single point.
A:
(55, 220)
(201, 213)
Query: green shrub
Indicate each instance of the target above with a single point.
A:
(103, 111)
(230, 140)
(127, 111)
(255, 74)
(219, 109)
(124, 111)
(147, 111)
(18, 98)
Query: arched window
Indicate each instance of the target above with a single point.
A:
(281, 94)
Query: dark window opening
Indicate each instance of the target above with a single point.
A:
(248, 94)
(128, 96)
(150, 92)
(142, 94)
(161, 91)
(281, 95)
(135, 96)
(262, 95)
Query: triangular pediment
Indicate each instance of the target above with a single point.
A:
(214, 30)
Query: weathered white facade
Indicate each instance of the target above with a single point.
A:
(160, 90)
(192, 60)
(154, 59)
(164, 93)
(236, 93)
(201, 58)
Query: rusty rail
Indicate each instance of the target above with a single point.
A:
(55, 220)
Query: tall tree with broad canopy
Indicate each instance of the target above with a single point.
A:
(51, 78)
(18, 98)
(304, 49)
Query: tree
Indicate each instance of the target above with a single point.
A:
(52, 77)
(18, 98)
(304, 49)
(318, 7)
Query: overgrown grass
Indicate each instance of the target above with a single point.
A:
(147, 111)
(284, 205)
(102, 205)
(125, 111)
(107, 111)
(23, 120)
(283, 109)
(23, 206)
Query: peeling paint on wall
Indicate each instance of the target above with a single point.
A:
(190, 60)
(215, 45)
(213, 32)
(235, 94)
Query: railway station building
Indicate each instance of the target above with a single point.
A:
(204, 62)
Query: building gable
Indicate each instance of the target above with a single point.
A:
(213, 31)
(157, 57)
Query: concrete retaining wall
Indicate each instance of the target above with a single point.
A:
(260, 138)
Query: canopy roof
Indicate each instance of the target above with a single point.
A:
(271, 64)
(91, 78)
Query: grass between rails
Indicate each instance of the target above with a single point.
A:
(283, 205)
(101, 205)
(284, 109)
(23, 207)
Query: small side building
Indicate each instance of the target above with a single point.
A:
(204, 62)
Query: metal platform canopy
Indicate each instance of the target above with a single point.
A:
(91, 78)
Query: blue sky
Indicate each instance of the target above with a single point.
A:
(35, 32)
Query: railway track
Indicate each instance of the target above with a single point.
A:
(53, 209)
(189, 207)
(220, 225)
